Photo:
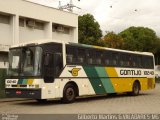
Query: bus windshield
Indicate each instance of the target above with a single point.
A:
(25, 61)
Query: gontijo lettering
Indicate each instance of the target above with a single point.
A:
(130, 72)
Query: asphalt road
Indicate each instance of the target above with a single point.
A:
(146, 102)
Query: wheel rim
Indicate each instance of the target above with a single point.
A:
(70, 94)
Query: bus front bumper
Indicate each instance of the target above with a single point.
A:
(23, 93)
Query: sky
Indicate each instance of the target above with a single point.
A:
(116, 15)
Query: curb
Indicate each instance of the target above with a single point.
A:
(13, 99)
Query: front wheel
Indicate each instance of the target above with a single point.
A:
(69, 94)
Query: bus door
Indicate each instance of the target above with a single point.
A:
(53, 65)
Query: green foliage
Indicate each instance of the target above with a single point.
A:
(113, 40)
(140, 39)
(89, 30)
(133, 38)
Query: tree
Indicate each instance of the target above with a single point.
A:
(140, 39)
(113, 40)
(89, 30)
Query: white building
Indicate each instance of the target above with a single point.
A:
(23, 21)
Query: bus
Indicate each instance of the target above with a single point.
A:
(59, 70)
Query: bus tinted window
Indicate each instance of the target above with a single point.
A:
(122, 60)
(115, 59)
(148, 62)
(91, 56)
(71, 54)
(139, 62)
(81, 56)
(107, 58)
(134, 61)
(99, 57)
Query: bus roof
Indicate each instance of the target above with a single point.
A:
(112, 49)
(44, 41)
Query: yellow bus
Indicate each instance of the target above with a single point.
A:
(52, 70)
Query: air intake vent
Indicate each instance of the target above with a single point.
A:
(30, 23)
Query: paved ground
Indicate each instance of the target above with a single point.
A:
(147, 102)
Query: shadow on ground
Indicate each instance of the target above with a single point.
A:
(78, 100)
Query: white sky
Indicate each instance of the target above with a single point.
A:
(122, 14)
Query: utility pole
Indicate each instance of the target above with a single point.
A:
(68, 7)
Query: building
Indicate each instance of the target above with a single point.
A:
(24, 21)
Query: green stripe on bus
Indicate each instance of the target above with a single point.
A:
(20, 81)
(105, 81)
(94, 80)
(25, 81)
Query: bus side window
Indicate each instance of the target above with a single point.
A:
(81, 56)
(122, 60)
(115, 59)
(98, 57)
(130, 61)
(71, 56)
(90, 56)
(134, 61)
(143, 61)
(139, 62)
(150, 62)
(107, 58)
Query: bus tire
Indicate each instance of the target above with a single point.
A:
(41, 100)
(135, 88)
(69, 94)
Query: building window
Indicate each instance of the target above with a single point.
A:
(39, 25)
(66, 30)
(21, 22)
(31, 23)
(4, 19)
(54, 28)
(60, 29)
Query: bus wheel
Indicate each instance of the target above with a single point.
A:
(69, 94)
(41, 100)
(135, 89)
